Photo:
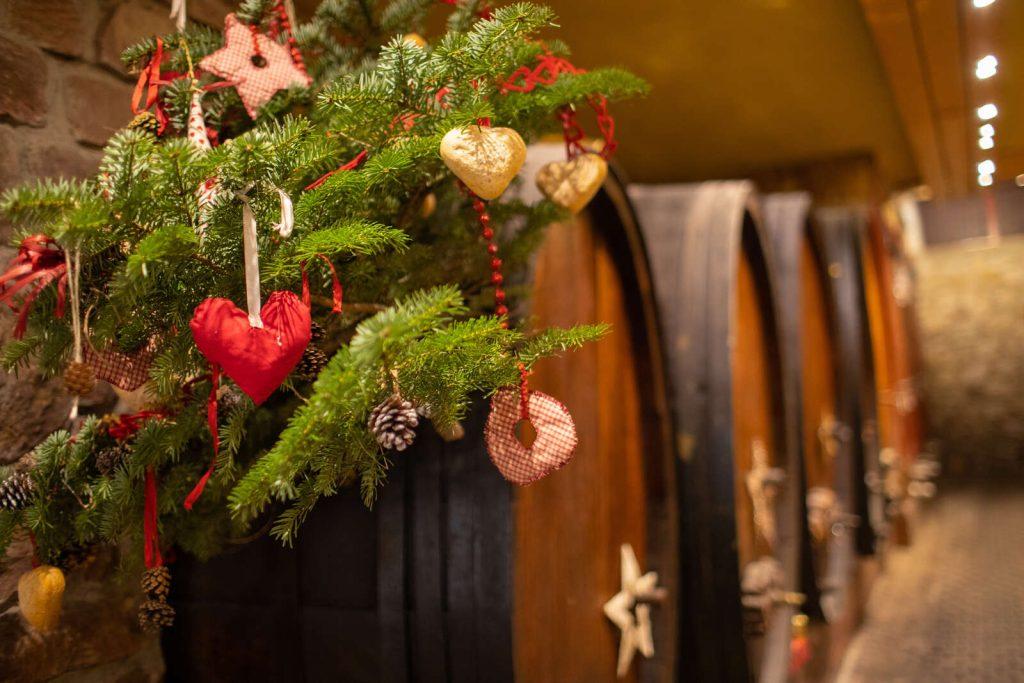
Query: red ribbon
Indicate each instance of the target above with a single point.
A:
(546, 72)
(151, 533)
(211, 420)
(127, 425)
(149, 83)
(358, 159)
(38, 263)
(335, 285)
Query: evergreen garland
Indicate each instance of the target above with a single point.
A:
(415, 288)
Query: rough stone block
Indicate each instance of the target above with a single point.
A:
(23, 78)
(55, 25)
(97, 105)
(129, 23)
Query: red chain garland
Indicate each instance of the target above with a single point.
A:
(497, 279)
(524, 394)
(280, 23)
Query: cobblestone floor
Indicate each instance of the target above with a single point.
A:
(950, 607)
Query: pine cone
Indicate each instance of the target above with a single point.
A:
(312, 362)
(317, 333)
(76, 557)
(156, 582)
(79, 378)
(146, 122)
(155, 614)
(110, 457)
(16, 491)
(230, 400)
(394, 423)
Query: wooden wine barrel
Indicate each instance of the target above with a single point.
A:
(808, 323)
(714, 293)
(455, 575)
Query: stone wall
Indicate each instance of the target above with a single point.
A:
(63, 93)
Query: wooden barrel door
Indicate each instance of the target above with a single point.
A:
(455, 575)
(570, 527)
(739, 506)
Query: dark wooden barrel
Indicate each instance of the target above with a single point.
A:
(455, 575)
(888, 287)
(813, 278)
(714, 293)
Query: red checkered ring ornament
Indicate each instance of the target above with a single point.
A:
(553, 447)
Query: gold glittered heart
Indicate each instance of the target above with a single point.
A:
(486, 159)
(572, 184)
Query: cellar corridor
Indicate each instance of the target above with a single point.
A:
(951, 606)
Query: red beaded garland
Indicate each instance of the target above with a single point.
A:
(484, 218)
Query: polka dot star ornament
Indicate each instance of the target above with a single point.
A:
(257, 65)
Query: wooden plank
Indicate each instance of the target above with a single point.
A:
(391, 568)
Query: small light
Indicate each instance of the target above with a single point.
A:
(986, 167)
(986, 67)
(987, 111)
(987, 131)
(1019, 180)
(986, 143)
(985, 180)
(983, 3)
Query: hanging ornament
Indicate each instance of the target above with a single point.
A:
(555, 441)
(154, 612)
(257, 65)
(572, 184)
(16, 491)
(146, 95)
(415, 39)
(428, 206)
(196, 131)
(40, 593)
(630, 609)
(393, 423)
(486, 159)
(39, 262)
(179, 13)
(257, 358)
(79, 378)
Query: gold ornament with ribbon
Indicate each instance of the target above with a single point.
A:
(40, 594)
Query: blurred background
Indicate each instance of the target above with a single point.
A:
(869, 260)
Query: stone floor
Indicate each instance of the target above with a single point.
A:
(950, 607)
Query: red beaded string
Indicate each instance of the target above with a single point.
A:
(284, 24)
(497, 279)
(255, 43)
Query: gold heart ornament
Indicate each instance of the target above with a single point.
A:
(572, 184)
(486, 159)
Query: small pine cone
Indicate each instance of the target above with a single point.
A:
(155, 614)
(393, 423)
(146, 122)
(76, 557)
(312, 362)
(110, 457)
(317, 333)
(79, 378)
(16, 491)
(156, 582)
(230, 399)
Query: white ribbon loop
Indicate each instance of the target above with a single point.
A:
(252, 263)
(287, 214)
(179, 14)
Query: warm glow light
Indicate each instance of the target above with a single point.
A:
(986, 143)
(987, 167)
(987, 131)
(983, 3)
(985, 180)
(987, 111)
(1020, 180)
(986, 67)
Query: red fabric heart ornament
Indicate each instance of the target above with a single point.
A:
(257, 359)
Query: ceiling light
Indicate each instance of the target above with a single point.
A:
(987, 111)
(983, 3)
(987, 131)
(987, 167)
(986, 67)
(986, 143)
(985, 180)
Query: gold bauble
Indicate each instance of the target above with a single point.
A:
(415, 39)
(40, 593)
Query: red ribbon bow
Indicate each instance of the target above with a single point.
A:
(39, 262)
(149, 83)
(128, 424)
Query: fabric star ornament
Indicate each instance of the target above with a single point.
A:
(257, 65)
(630, 609)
